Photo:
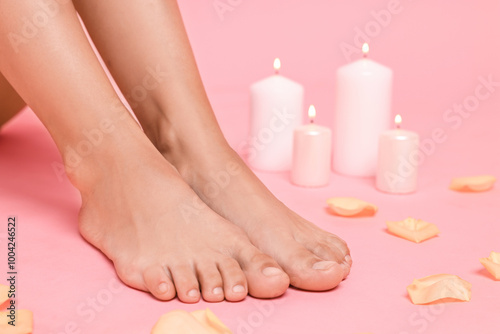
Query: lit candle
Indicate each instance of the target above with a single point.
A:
(276, 110)
(312, 149)
(396, 173)
(363, 99)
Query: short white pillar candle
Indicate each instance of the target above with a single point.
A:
(395, 173)
(312, 148)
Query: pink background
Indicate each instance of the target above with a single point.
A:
(437, 49)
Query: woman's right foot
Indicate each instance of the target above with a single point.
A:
(160, 236)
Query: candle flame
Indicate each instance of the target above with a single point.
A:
(398, 120)
(312, 113)
(277, 65)
(365, 49)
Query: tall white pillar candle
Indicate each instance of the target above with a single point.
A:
(396, 172)
(276, 110)
(363, 111)
(312, 148)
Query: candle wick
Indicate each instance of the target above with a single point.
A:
(365, 55)
(312, 120)
(398, 126)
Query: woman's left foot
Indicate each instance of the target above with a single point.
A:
(313, 258)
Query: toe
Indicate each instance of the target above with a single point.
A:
(265, 277)
(234, 281)
(326, 252)
(310, 272)
(186, 283)
(158, 283)
(335, 242)
(348, 260)
(210, 281)
(130, 273)
(346, 268)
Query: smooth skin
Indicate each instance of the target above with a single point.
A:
(146, 203)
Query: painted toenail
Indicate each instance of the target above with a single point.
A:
(217, 291)
(162, 288)
(272, 271)
(323, 265)
(238, 288)
(193, 293)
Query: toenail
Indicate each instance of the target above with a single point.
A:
(348, 259)
(162, 288)
(323, 265)
(272, 271)
(238, 288)
(217, 291)
(193, 293)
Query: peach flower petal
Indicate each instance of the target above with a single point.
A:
(209, 319)
(350, 206)
(24, 323)
(439, 288)
(4, 291)
(473, 183)
(412, 229)
(492, 264)
(197, 322)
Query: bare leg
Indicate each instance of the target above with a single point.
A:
(178, 119)
(135, 206)
(10, 102)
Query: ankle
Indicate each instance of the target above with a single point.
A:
(184, 142)
(97, 152)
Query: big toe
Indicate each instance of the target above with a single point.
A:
(264, 275)
(310, 272)
(158, 283)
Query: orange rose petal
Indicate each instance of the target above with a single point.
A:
(350, 206)
(182, 322)
(412, 229)
(178, 322)
(473, 183)
(210, 320)
(492, 264)
(4, 291)
(23, 323)
(439, 288)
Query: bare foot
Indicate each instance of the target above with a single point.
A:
(160, 236)
(313, 258)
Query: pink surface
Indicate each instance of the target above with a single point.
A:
(437, 49)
